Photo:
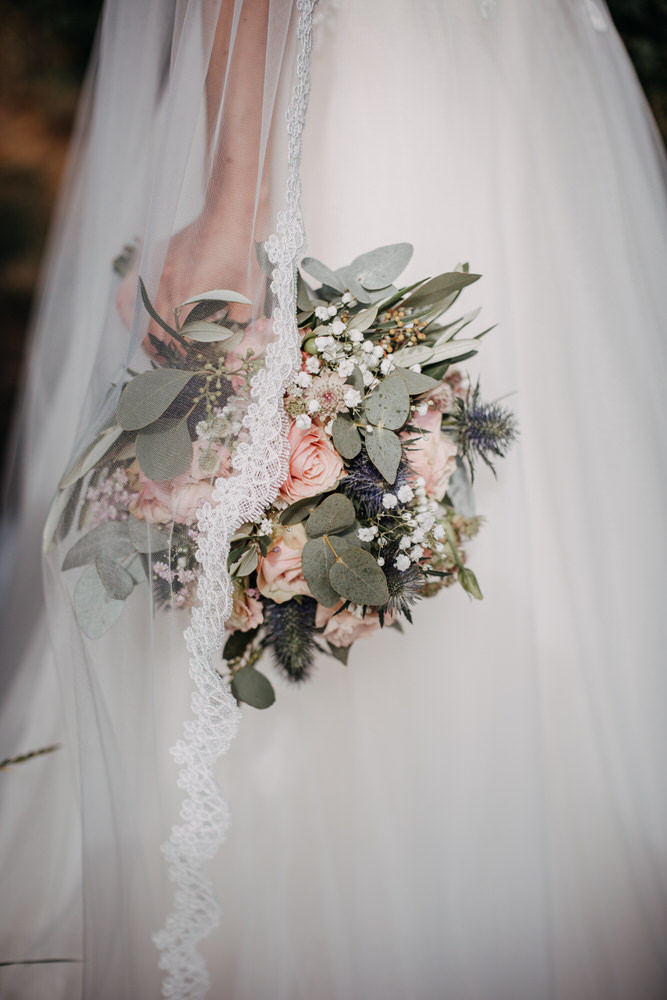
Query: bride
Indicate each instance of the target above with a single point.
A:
(472, 810)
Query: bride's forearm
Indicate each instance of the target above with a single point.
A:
(236, 73)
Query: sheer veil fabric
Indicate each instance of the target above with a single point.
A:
(476, 809)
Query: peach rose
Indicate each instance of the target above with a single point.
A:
(177, 499)
(347, 626)
(314, 464)
(432, 455)
(279, 572)
(247, 610)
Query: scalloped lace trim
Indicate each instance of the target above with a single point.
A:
(261, 465)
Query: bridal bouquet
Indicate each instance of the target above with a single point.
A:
(376, 507)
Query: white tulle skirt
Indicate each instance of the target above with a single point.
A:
(476, 809)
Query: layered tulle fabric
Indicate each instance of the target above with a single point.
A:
(475, 809)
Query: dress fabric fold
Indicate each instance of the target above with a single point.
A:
(474, 809)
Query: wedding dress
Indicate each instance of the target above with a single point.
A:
(476, 809)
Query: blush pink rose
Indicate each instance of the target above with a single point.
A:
(247, 611)
(432, 454)
(314, 464)
(177, 499)
(279, 572)
(347, 626)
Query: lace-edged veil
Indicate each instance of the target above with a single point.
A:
(181, 98)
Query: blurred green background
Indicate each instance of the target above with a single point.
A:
(45, 46)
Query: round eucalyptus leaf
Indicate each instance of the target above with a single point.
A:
(346, 437)
(147, 537)
(379, 267)
(318, 270)
(145, 398)
(253, 688)
(349, 279)
(110, 540)
(218, 295)
(116, 580)
(383, 447)
(95, 610)
(317, 558)
(91, 456)
(164, 450)
(388, 405)
(335, 513)
(356, 576)
(205, 332)
(416, 382)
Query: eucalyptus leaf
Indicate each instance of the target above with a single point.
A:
(356, 577)
(439, 287)
(205, 332)
(459, 489)
(95, 610)
(56, 511)
(111, 540)
(146, 537)
(378, 268)
(356, 379)
(299, 510)
(205, 309)
(468, 581)
(415, 382)
(218, 295)
(334, 514)
(253, 687)
(363, 320)
(317, 557)
(349, 280)
(388, 405)
(323, 273)
(146, 397)
(91, 456)
(116, 580)
(237, 643)
(340, 653)
(247, 564)
(164, 450)
(422, 355)
(346, 437)
(384, 450)
(150, 309)
(452, 329)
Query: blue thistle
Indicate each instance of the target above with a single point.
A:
(290, 632)
(404, 587)
(484, 430)
(365, 486)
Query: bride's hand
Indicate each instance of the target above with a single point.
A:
(200, 257)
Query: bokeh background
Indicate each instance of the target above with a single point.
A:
(45, 46)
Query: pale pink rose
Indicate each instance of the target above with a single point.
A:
(279, 573)
(453, 386)
(247, 612)
(314, 465)
(257, 335)
(432, 454)
(177, 499)
(346, 627)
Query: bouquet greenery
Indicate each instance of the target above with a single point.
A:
(384, 434)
